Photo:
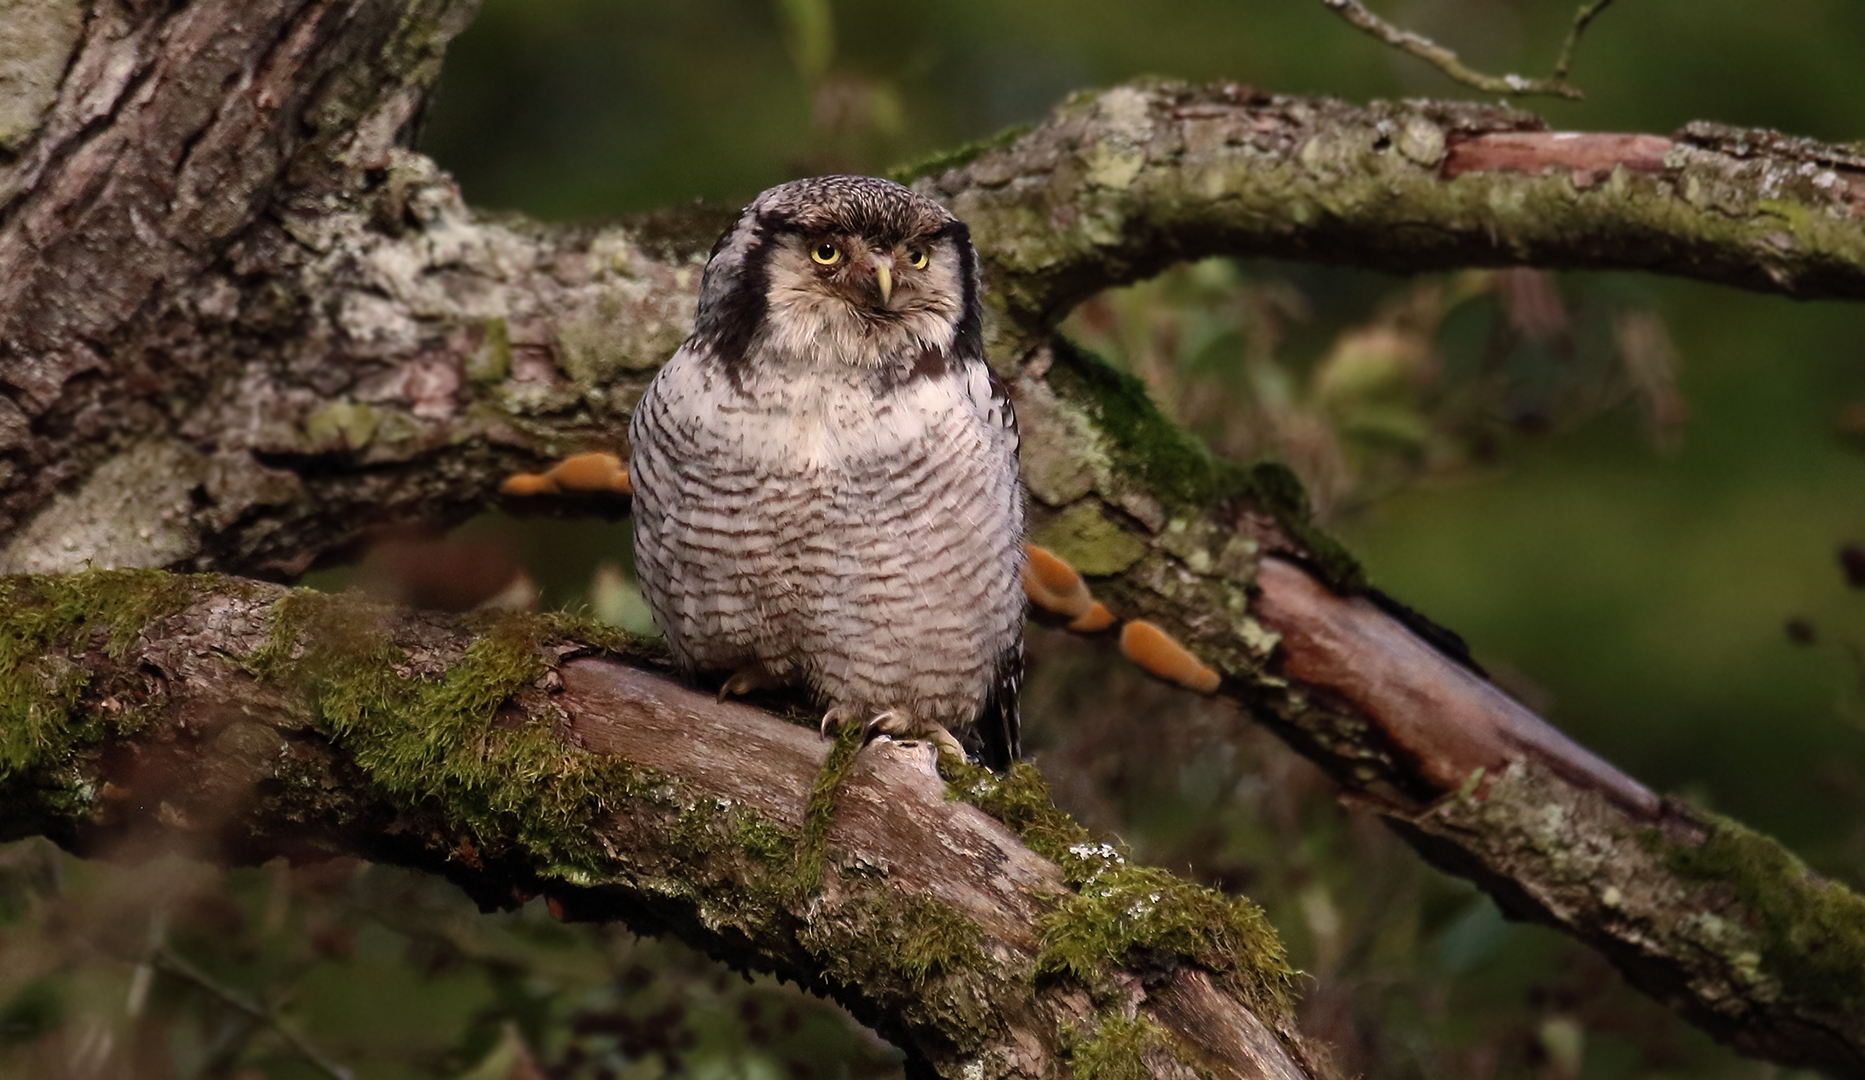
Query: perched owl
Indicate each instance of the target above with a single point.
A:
(825, 474)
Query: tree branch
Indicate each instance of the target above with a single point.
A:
(237, 722)
(182, 968)
(251, 366)
(1117, 185)
(1446, 61)
(1582, 19)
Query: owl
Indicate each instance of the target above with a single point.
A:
(825, 474)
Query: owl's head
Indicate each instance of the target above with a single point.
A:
(848, 269)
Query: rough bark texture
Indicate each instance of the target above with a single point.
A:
(239, 329)
(1117, 185)
(235, 721)
(1698, 912)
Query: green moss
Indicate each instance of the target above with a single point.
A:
(1279, 491)
(1020, 800)
(422, 739)
(1178, 469)
(1130, 912)
(820, 813)
(957, 158)
(1812, 929)
(1117, 1049)
(342, 425)
(911, 948)
(1172, 464)
(926, 938)
(1083, 537)
(492, 361)
(1122, 912)
(44, 622)
(763, 841)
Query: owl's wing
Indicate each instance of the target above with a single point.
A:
(991, 398)
(998, 733)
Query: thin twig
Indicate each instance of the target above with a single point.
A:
(1447, 62)
(175, 964)
(1582, 17)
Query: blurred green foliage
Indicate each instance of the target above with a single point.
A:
(1619, 489)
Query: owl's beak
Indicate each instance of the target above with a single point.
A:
(884, 276)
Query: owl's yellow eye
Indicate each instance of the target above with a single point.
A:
(916, 258)
(826, 254)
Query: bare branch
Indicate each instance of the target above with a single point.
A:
(1446, 61)
(181, 967)
(1582, 18)
(1559, 837)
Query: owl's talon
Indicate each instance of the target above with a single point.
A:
(748, 680)
(834, 718)
(943, 738)
(896, 724)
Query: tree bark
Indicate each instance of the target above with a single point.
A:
(240, 329)
(235, 721)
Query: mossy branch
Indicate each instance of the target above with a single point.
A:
(1720, 922)
(521, 755)
(1118, 184)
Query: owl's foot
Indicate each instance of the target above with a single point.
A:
(899, 725)
(596, 473)
(750, 679)
(896, 724)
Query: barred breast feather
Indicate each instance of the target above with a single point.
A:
(856, 529)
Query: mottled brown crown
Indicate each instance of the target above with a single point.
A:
(867, 206)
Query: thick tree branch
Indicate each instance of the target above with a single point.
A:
(237, 722)
(1117, 185)
(1698, 912)
(1705, 915)
(333, 342)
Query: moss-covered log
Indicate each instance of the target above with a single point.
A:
(521, 755)
(240, 328)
